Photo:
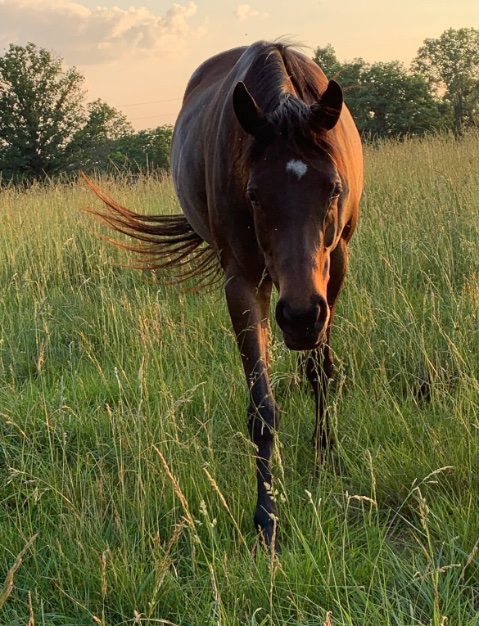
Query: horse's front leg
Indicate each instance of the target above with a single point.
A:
(248, 305)
(319, 371)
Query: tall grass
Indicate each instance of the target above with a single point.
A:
(127, 478)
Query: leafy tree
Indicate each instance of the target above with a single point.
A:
(40, 110)
(327, 60)
(390, 102)
(451, 64)
(146, 151)
(93, 143)
(45, 126)
(385, 99)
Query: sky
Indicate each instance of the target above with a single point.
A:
(138, 56)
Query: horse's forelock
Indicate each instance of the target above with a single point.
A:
(291, 121)
(291, 118)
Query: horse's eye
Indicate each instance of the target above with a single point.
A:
(336, 191)
(252, 197)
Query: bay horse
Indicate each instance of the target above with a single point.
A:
(267, 165)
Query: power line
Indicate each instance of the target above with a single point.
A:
(148, 117)
(134, 104)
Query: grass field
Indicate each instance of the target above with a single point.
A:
(126, 475)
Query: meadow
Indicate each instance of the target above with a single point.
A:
(126, 474)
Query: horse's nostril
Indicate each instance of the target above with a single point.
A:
(285, 311)
(285, 314)
(301, 320)
(323, 314)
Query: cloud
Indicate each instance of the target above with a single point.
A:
(245, 12)
(89, 36)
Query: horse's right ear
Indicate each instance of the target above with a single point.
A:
(248, 113)
(325, 114)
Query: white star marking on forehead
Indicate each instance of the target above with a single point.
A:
(297, 167)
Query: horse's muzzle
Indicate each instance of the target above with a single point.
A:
(303, 328)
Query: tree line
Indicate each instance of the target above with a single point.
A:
(48, 128)
(439, 92)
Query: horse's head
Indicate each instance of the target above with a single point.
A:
(296, 193)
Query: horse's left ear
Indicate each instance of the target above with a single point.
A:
(325, 114)
(248, 113)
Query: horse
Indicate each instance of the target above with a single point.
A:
(267, 166)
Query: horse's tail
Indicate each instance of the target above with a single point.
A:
(167, 242)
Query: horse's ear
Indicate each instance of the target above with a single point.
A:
(325, 114)
(248, 113)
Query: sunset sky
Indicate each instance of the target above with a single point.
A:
(138, 56)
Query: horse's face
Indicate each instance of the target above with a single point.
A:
(296, 199)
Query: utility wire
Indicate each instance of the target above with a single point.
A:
(134, 104)
(148, 117)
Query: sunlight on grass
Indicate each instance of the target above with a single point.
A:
(124, 450)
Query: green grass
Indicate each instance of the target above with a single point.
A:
(123, 448)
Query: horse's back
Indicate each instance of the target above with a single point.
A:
(193, 132)
(211, 72)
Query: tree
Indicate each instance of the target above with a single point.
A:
(146, 151)
(327, 60)
(385, 99)
(390, 102)
(451, 64)
(45, 126)
(40, 110)
(93, 143)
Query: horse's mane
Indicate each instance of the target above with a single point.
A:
(284, 87)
